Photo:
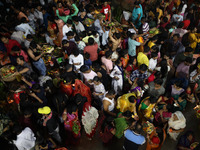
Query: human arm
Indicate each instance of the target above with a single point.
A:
(110, 36)
(22, 71)
(27, 82)
(76, 10)
(30, 53)
(36, 97)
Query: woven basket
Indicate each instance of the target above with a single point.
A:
(9, 78)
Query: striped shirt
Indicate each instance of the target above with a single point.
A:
(145, 29)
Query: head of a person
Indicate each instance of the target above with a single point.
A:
(165, 20)
(190, 135)
(166, 56)
(117, 35)
(188, 61)
(67, 80)
(127, 114)
(132, 36)
(75, 52)
(143, 20)
(193, 29)
(91, 41)
(27, 112)
(180, 25)
(29, 37)
(143, 68)
(118, 62)
(178, 84)
(105, 3)
(17, 129)
(96, 80)
(132, 99)
(70, 35)
(77, 39)
(36, 88)
(155, 49)
(138, 128)
(154, 39)
(137, 4)
(96, 66)
(16, 49)
(188, 51)
(154, 55)
(108, 54)
(33, 45)
(87, 56)
(153, 99)
(68, 67)
(176, 37)
(158, 82)
(65, 43)
(111, 94)
(76, 20)
(72, 108)
(20, 60)
(4, 39)
(146, 50)
(69, 23)
(84, 69)
(59, 4)
(23, 20)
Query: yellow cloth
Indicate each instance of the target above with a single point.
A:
(123, 103)
(160, 13)
(193, 40)
(85, 39)
(142, 59)
(151, 44)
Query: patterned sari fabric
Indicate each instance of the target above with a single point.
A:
(67, 89)
(52, 32)
(83, 89)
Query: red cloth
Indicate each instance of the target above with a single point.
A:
(186, 24)
(151, 78)
(82, 89)
(92, 50)
(105, 11)
(17, 97)
(67, 89)
(10, 45)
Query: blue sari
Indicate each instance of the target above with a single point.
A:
(135, 13)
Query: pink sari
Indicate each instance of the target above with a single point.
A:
(60, 25)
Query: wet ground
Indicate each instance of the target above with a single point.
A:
(116, 144)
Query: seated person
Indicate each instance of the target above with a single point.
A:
(156, 89)
(185, 141)
(23, 68)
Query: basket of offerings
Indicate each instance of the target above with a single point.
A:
(57, 52)
(194, 145)
(48, 49)
(7, 73)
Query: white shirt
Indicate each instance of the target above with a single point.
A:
(105, 38)
(18, 36)
(152, 64)
(78, 59)
(25, 27)
(96, 39)
(192, 74)
(32, 20)
(39, 15)
(89, 76)
(79, 28)
(66, 29)
(184, 8)
(27, 43)
(25, 140)
(98, 27)
(81, 45)
(99, 89)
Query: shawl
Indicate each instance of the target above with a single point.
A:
(178, 124)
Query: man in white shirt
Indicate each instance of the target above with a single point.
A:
(76, 59)
(78, 25)
(38, 14)
(25, 27)
(25, 138)
(67, 27)
(18, 36)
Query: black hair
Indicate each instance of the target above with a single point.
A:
(69, 22)
(146, 49)
(76, 19)
(17, 129)
(96, 66)
(179, 83)
(154, 54)
(77, 38)
(158, 81)
(188, 49)
(136, 3)
(132, 99)
(164, 68)
(15, 48)
(36, 86)
(90, 41)
(143, 67)
(117, 35)
(29, 36)
(20, 57)
(94, 33)
(34, 76)
(33, 45)
(188, 133)
(68, 66)
(67, 79)
(127, 114)
(153, 99)
(72, 107)
(188, 60)
(75, 52)
(84, 68)
(131, 35)
(181, 25)
(183, 95)
(108, 54)
(96, 78)
(140, 83)
(117, 62)
(154, 38)
(138, 128)
(70, 33)
(177, 35)
(87, 55)
(108, 121)
(64, 42)
(111, 92)
(165, 19)
(23, 20)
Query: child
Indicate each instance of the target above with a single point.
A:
(80, 44)
(87, 60)
(117, 77)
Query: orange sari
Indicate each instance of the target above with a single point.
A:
(139, 48)
(82, 89)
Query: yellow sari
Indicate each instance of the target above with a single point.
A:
(123, 103)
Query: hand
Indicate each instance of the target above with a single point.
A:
(116, 78)
(22, 78)
(113, 131)
(136, 117)
(17, 73)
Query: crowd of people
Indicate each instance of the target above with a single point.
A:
(129, 78)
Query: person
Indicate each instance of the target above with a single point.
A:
(176, 124)
(193, 38)
(153, 61)
(137, 14)
(109, 103)
(92, 49)
(142, 57)
(117, 77)
(88, 74)
(76, 59)
(16, 51)
(195, 75)
(180, 104)
(78, 25)
(49, 121)
(107, 62)
(36, 58)
(140, 73)
(23, 68)
(25, 139)
(116, 40)
(133, 139)
(155, 88)
(87, 60)
(106, 10)
(52, 31)
(186, 140)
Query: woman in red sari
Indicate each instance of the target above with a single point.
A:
(83, 89)
(66, 86)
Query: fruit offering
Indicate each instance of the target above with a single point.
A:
(7, 71)
(48, 48)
